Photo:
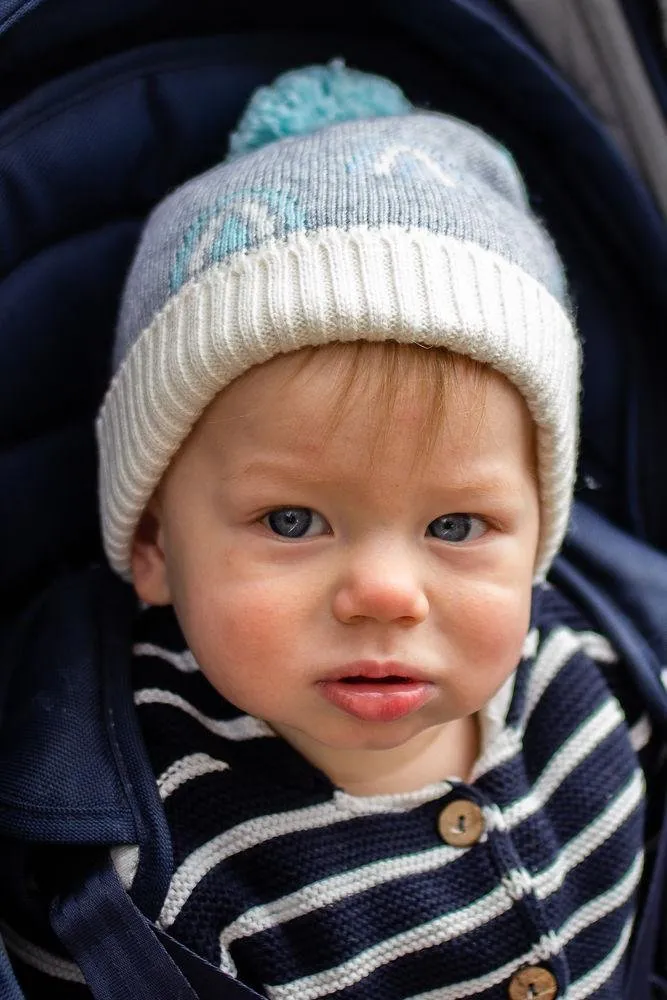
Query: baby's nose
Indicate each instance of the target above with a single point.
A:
(382, 586)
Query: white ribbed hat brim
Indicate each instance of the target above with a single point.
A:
(331, 285)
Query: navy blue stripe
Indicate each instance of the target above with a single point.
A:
(348, 844)
(561, 711)
(592, 945)
(159, 621)
(540, 835)
(270, 772)
(555, 610)
(510, 780)
(595, 874)
(516, 708)
(155, 672)
(576, 801)
(325, 946)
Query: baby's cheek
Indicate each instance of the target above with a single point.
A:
(484, 673)
(495, 624)
(240, 645)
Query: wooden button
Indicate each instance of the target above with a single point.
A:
(533, 982)
(461, 823)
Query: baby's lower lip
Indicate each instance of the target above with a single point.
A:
(377, 700)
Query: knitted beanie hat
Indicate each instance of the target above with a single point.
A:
(342, 213)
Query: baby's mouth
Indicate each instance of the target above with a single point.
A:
(376, 692)
(361, 679)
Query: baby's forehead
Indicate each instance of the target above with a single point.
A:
(385, 376)
(363, 405)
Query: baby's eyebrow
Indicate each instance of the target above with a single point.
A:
(489, 486)
(301, 470)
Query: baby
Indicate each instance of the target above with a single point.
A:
(337, 459)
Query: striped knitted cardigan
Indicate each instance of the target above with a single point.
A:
(303, 891)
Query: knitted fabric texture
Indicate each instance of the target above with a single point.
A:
(303, 891)
(410, 227)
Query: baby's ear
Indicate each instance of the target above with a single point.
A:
(149, 568)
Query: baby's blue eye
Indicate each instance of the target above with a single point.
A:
(294, 522)
(456, 528)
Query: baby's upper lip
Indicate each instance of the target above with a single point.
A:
(376, 670)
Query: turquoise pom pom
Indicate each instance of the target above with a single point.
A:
(304, 100)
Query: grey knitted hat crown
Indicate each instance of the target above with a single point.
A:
(399, 225)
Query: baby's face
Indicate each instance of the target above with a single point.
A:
(329, 582)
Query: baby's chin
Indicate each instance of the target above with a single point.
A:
(387, 760)
(356, 736)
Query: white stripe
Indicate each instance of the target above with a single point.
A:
(245, 727)
(640, 733)
(241, 838)
(334, 889)
(603, 905)
(227, 965)
(185, 661)
(598, 647)
(530, 644)
(394, 802)
(38, 958)
(185, 769)
(559, 647)
(125, 859)
(427, 935)
(663, 677)
(575, 750)
(591, 837)
(593, 980)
